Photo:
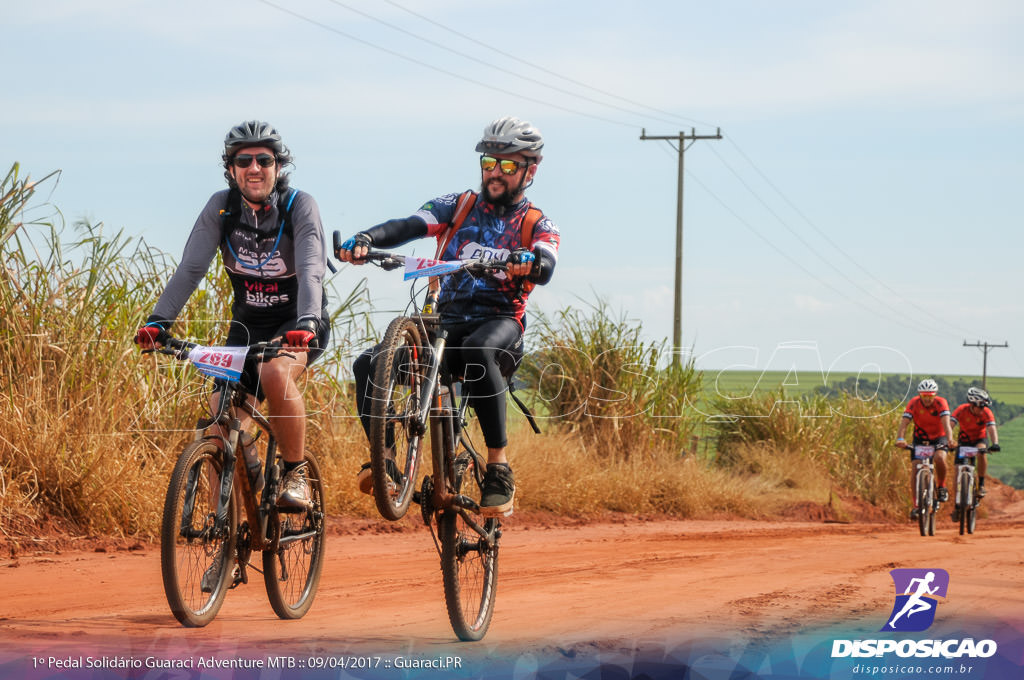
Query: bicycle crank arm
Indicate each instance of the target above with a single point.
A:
(465, 502)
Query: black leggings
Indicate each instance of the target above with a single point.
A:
(483, 353)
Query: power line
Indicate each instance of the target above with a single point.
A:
(942, 322)
(814, 251)
(477, 60)
(446, 72)
(490, 47)
(796, 263)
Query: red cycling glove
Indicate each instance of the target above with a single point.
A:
(302, 335)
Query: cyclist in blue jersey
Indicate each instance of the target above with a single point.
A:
(484, 316)
(271, 240)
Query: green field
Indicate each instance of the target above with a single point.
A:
(1007, 464)
(797, 383)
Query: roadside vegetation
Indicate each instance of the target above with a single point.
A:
(91, 427)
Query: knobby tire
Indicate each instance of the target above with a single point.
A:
(292, 572)
(469, 566)
(963, 492)
(188, 548)
(924, 501)
(397, 379)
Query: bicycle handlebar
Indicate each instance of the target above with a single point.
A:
(259, 352)
(389, 261)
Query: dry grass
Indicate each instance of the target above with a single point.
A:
(91, 428)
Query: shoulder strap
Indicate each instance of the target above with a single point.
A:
(230, 214)
(533, 216)
(465, 203)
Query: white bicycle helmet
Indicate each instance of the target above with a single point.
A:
(928, 386)
(978, 397)
(509, 134)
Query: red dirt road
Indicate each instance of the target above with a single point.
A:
(568, 590)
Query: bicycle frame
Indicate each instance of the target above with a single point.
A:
(445, 424)
(233, 397)
(258, 512)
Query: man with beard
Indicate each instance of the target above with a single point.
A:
(484, 315)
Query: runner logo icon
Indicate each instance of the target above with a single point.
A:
(917, 593)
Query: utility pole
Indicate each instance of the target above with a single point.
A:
(677, 315)
(985, 346)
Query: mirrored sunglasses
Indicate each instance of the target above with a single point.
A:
(508, 167)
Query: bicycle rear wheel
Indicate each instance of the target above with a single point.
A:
(195, 560)
(394, 447)
(469, 562)
(292, 572)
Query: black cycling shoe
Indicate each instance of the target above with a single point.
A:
(942, 494)
(499, 491)
(981, 491)
(915, 514)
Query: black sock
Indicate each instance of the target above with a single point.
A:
(289, 466)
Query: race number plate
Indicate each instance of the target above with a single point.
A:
(924, 452)
(416, 267)
(968, 451)
(219, 362)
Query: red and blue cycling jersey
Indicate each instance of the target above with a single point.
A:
(491, 233)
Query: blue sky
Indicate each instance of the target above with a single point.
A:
(860, 211)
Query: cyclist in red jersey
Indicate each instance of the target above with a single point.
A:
(977, 428)
(930, 415)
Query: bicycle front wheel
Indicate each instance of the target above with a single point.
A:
(963, 494)
(291, 573)
(924, 501)
(196, 560)
(395, 448)
(469, 563)
(972, 509)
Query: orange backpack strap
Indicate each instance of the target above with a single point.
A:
(533, 216)
(464, 204)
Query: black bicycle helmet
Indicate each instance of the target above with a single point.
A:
(509, 134)
(253, 133)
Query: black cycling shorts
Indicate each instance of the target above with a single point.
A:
(242, 334)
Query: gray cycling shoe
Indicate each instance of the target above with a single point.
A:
(295, 491)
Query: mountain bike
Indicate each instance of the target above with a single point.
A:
(213, 520)
(967, 498)
(924, 487)
(414, 395)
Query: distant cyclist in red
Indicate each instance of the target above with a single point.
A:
(930, 415)
(977, 428)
